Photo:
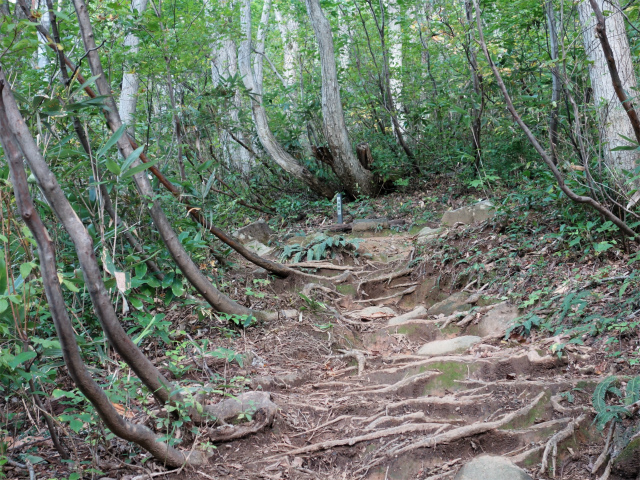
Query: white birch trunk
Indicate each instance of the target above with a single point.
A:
(130, 81)
(613, 120)
(250, 78)
(288, 27)
(354, 177)
(225, 65)
(395, 55)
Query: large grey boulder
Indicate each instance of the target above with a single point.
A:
(259, 231)
(370, 225)
(476, 213)
(458, 302)
(487, 467)
(449, 346)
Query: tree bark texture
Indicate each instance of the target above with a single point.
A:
(268, 140)
(78, 372)
(188, 268)
(613, 120)
(130, 80)
(593, 203)
(354, 177)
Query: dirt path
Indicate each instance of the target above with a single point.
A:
(367, 392)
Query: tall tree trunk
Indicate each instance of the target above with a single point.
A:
(288, 26)
(613, 120)
(268, 140)
(78, 372)
(189, 269)
(556, 86)
(130, 80)
(476, 77)
(356, 179)
(391, 82)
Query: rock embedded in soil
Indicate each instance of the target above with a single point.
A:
(259, 248)
(449, 346)
(370, 225)
(259, 231)
(488, 467)
(373, 313)
(453, 303)
(428, 233)
(476, 213)
(497, 320)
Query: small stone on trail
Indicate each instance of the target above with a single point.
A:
(370, 224)
(476, 213)
(449, 346)
(487, 467)
(454, 303)
(259, 231)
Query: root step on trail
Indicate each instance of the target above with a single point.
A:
(388, 392)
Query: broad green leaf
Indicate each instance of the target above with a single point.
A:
(140, 168)
(21, 358)
(132, 158)
(25, 269)
(112, 141)
(112, 166)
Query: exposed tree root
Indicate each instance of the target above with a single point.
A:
(388, 297)
(405, 382)
(387, 421)
(605, 451)
(552, 445)
(387, 278)
(324, 265)
(419, 428)
(466, 431)
(309, 287)
(417, 312)
(451, 318)
(357, 354)
(431, 401)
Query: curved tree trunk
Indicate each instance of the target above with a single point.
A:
(78, 372)
(613, 120)
(130, 81)
(356, 179)
(253, 82)
(192, 210)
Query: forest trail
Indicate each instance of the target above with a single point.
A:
(396, 375)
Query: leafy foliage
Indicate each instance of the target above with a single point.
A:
(320, 247)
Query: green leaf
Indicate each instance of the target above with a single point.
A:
(25, 269)
(632, 393)
(112, 141)
(598, 398)
(112, 166)
(76, 425)
(21, 358)
(3, 273)
(132, 158)
(140, 168)
(177, 288)
(4, 304)
(141, 270)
